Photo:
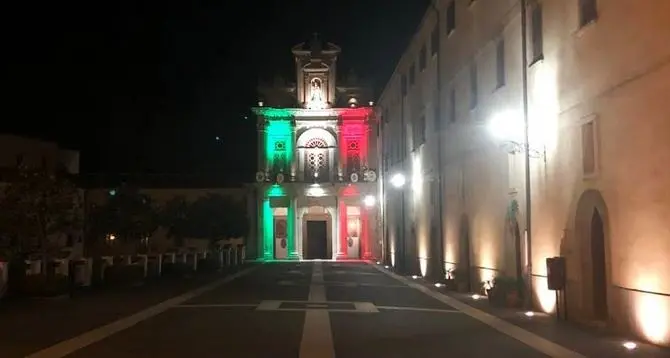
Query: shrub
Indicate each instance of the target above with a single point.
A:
(45, 285)
(178, 268)
(123, 274)
(211, 263)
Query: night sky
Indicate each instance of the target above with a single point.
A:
(142, 86)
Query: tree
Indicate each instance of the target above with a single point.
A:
(128, 215)
(217, 217)
(237, 218)
(38, 208)
(174, 217)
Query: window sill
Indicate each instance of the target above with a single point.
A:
(584, 28)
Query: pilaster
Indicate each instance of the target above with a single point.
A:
(267, 229)
(260, 137)
(292, 232)
(365, 230)
(342, 221)
(339, 154)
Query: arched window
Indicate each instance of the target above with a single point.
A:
(316, 159)
(316, 143)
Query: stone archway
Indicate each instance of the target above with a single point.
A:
(592, 241)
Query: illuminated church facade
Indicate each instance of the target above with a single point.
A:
(316, 184)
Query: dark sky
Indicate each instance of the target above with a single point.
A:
(143, 86)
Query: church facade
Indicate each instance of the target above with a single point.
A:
(316, 184)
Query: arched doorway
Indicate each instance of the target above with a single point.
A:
(464, 262)
(514, 243)
(591, 235)
(518, 257)
(599, 279)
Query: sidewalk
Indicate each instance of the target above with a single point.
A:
(32, 324)
(586, 341)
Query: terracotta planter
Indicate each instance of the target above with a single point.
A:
(512, 298)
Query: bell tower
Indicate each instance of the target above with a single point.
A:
(316, 70)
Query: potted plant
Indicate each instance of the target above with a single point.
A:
(506, 292)
(450, 282)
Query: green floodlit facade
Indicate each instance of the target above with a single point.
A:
(276, 191)
(279, 143)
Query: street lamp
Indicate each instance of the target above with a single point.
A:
(398, 180)
(369, 201)
(509, 128)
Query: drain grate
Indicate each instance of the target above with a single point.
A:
(357, 307)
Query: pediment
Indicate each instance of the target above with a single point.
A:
(314, 65)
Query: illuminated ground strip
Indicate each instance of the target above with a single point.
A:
(358, 307)
(330, 306)
(339, 284)
(353, 273)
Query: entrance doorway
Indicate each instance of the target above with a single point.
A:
(599, 268)
(317, 240)
(591, 237)
(518, 257)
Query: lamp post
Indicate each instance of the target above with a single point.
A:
(515, 136)
(524, 90)
(439, 270)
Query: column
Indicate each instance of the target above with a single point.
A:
(260, 129)
(365, 234)
(267, 230)
(294, 151)
(342, 220)
(342, 157)
(291, 230)
(266, 143)
(365, 145)
(300, 232)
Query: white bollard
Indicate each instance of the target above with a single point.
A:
(228, 258)
(106, 261)
(145, 264)
(88, 272)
